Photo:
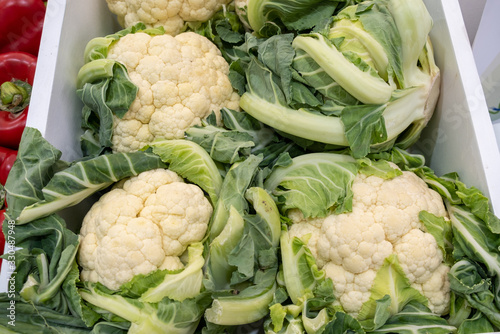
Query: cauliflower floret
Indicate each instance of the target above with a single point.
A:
(418, 255)
(352, 246)
(437, 290)
(396, 202)
(354, 240)
(181, 81)
(352, 290)
(171, 14)
(143, 224)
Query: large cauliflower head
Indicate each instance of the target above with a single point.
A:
(181, 81)
(351, 247)
(143, 224)
(171, 14)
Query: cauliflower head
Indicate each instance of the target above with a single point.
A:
(143, 224)
(352, 246)
(181, 80)
(171, 14)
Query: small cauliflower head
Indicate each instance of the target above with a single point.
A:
(143, 224)
(171, 14)
(352, 246)
(181, 81)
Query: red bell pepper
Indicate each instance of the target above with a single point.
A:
(7, 158)
(21, 25)
(14, 66)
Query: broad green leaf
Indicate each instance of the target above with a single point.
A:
(451, 188)
(241, 136)
(296, 15)
(222, 145)
(192, 162)
(258, 245)
(479, 205)
(466, 277)
(414, 24)
(243, 122)
(70, 186)
(218, 267)
(250, 305)
(264, 83)
(315, 183)
(370, 27)
(266, 208)
(243, 258)
(440, 229)
(242, 264)
(478, 323)
(316, 77)
(277, 54)
(301, 272)
(237, 76)
(476, 242)
(344, 323)
(290, 325)
(364, 126)
(37, 319)
(45, 272)
(277, 315)
(265, 101)
(415, 318)
(378, 168)
(187, 283)
(392, 281)
(460, 310)
(75, 304)
(445, 185)
(59, 246)
(400, 157)
(37, 161)
(475, 239)
(247, 243)
(232, 192)
(166, 316)
(225, 31)
(105, 90)
(359, 81)
(315, 321)
(485, 302)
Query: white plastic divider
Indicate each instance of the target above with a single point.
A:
(460, 137)
(55, 109)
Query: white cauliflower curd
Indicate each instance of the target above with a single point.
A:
(143, 224)
(352, 246)
(171, 14)
(181, 81)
